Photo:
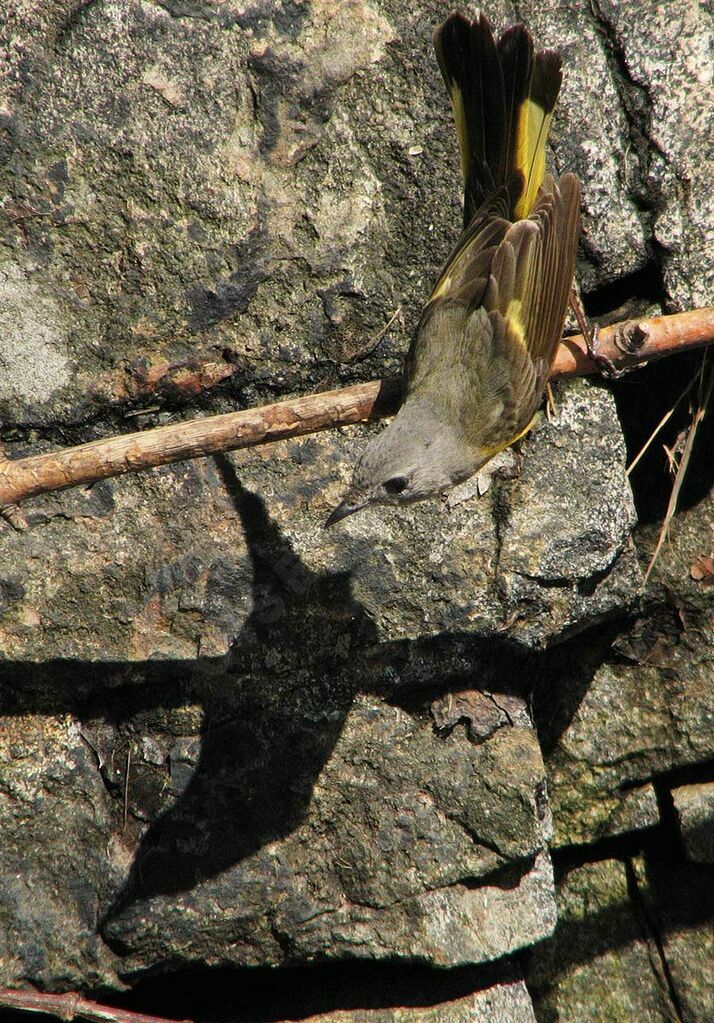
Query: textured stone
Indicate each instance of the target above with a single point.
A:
(566, 558)
(694, 807)
(32, 362)
(55, 820)
(167, 557)
(634, 941)
(633, 722)
(502, 1003)
(597, 967)
(647, 709)
(173, 173)
(679, 902)
(404, 844)
(636, 809)
(666, 53)
(635, 76)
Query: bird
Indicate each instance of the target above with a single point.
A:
(480, 357)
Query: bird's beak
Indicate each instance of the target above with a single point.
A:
(343, 510)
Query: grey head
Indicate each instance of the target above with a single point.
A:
(416, 456)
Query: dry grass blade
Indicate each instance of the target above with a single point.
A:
(660, 426)
(703, 399)
(370, 346)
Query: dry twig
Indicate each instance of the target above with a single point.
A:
(626, 345)
(72, 1006)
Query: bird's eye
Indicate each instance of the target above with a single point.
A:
(396, 485)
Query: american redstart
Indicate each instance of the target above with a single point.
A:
(480, 358)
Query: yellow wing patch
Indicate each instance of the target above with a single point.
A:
(441, 288)
(489, 452)
(515, 321)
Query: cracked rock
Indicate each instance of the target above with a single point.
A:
(599, 964)
(405, 845)
(678, 899)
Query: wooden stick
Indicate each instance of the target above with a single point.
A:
(72, 1006)
(633, 343)
(626, 345)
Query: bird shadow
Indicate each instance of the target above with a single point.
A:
(267, 728)
(272, 709)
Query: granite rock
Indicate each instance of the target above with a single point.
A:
(694, 807)
(378, 856)
(598, 967)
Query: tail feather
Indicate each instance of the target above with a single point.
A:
(515, 52)
(502, 95)
(534, 123)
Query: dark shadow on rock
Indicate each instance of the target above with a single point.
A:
(268, 728)
(674, 896)
(271, 711)
(266, 995)
(563, 675)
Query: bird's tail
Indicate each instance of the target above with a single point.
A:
(503, 94)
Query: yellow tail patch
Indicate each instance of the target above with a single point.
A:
(531, 135)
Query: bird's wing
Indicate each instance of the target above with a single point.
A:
(466, 271)
(489, 334)
(532, 272)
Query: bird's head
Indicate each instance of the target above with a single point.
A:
(415, 457)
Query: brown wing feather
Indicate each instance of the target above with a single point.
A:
(488, 336)
(464, 278)
(484, 233)
(532, 272)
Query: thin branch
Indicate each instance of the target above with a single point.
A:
(627, 345)
(72, 1006)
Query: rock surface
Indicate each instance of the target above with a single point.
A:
(694, 807)
(381, 855)
(502, 1003)
(218, 741)
(168, 557)
(598, 967)
(679, 902)
(634, 941)
(55, 818)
